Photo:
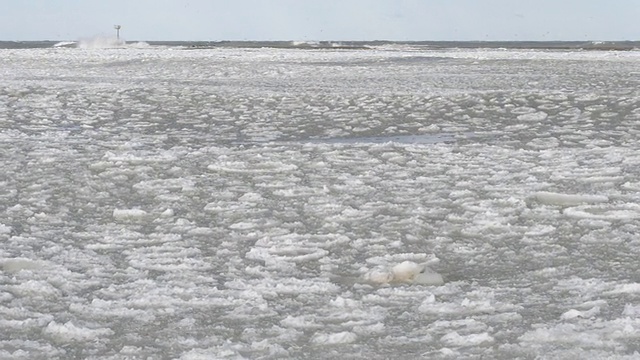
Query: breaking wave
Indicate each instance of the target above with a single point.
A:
(100, 42)
(107, 42)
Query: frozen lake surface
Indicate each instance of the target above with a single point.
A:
(231, 203)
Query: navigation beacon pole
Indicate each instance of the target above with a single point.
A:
(117, 27)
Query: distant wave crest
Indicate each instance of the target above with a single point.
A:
(106, 42)
(100, 42)
(351, 45)
(65, 44)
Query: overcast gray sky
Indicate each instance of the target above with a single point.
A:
(322, 19)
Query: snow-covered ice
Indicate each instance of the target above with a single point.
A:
(394, 202)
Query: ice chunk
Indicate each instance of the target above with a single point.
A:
(604, 212)
(35, 289)
(631, 310)
(251, 197)
(573, 313)
(14, 265)
(428, 277)
(168, 213)
(552, 198)
(536, 116)
(68, 332)
(4, 229)
(379, 275)
(405, 272)
(632, 288)
(455, 339)
(129, 214)
(344, 337)
(300, 322)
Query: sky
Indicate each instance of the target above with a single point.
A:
(540, 20)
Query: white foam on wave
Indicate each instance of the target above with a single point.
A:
(138, 45)
(100, 42)
(65, 44)
(315, 44)
(304, 42)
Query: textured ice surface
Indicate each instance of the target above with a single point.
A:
(199, 204)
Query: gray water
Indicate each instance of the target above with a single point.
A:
(226, 203)
(526, 45)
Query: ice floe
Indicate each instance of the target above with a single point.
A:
(12, 265)
(551, 198)
(404, 272)
(279, 203)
